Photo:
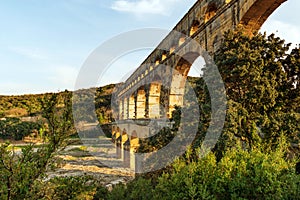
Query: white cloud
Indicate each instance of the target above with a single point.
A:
(289, 32)
(141, 7)
(32, 53)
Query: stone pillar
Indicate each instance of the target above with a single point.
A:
(154, 100)
(164, 101)
(126, 153)
(113, 134)
(134, 145)
(176, 92)
(125, 108)
(147, 93)
(121, 109)
(118, 144)
(124, 139)
(141, 104)
(131, 107)
(178, 86)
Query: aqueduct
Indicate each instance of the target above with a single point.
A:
(144, 94)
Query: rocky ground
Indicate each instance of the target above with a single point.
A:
(94, 157)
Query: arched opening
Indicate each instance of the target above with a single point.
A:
(131, 107)
(163, 56)
(257, 14)
(154, 98)
(141, 103)
(210, 11)
(172, 49)
(196, 68)
(179, 77)
(194, 27)
(157, 61)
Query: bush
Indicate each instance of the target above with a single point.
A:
(239, 175)
(140, 188)
(78, 187)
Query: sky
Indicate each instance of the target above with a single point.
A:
(43, 44)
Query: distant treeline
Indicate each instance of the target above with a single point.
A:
(30, 105)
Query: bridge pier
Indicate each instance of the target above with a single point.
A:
(128, 144)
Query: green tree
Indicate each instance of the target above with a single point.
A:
(20, 173)
(261, 80)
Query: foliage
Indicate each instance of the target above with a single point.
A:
(239, 175)
(73, 187)
(261, 79)
(58, 113)
(139, 189)
(17, 129)
(20, 172)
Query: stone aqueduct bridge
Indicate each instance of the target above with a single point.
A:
(153, 90)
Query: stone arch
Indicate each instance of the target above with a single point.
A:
(257, 14)
(194, 27)
(211, 11)
(179, 77)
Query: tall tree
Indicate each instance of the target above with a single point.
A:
(261, 80)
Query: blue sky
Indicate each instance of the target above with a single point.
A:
(43, 44)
